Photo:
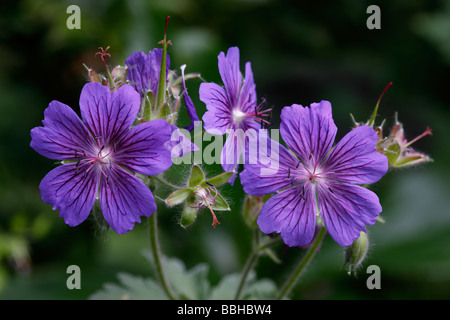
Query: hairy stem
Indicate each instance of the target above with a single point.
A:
(252, 260)
(165, 182)
(292, 280)
(157, 256)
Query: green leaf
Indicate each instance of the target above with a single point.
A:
(221, 204)
(197, 176)
(254, 290)
(217, 180)
(189, 284)
(130, 288)
(178, 196)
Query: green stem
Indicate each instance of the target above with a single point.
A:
(292, 280)
(166, 183)
(160, 96)
(157, 256)
(249, 265)
(251, 262)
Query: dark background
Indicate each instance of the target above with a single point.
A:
(301, 52)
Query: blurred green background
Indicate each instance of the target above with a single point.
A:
(301, 52)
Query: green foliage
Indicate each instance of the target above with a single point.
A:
(192, 284)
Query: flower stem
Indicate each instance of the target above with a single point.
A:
(249, 265)
(165, 182)
(251, 261)
(292, 280)
(157, 256)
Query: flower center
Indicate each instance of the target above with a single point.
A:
(238, 116)
(104, 156)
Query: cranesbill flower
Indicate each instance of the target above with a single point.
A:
(98, 154)
(144, 69)
(232, 107)
(322, 181)
(144, 76)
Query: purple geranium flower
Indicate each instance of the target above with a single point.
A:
(144, 69)
(143, 75)
(321, 181)
(232, 107)
(98, 154)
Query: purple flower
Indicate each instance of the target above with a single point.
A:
(322, 181)
(232, 107)
(144, 69)
(98, 154)
(143, 75)
(190, 108)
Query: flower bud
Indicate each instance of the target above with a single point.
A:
(200, 193)
(398, 149)
(251, 207)
(119, 73)
(356, 252)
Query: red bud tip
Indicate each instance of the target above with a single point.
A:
(165, 27)
(385, 89)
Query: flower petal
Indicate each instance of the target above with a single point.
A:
(236, 149)
(309, 132)
(190, 108)
(290, 214)
(355, 160)
(271, 172)
(64, 136)
(123, 199)
(247, 96)
(231, 74)
(346, 209)
(144, 70)
(109, 115)
(179, 145)
(139, 72)
(94, 101)
(142, 149)
(218, 117)
(70, 190)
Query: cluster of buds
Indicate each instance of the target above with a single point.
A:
(398, 149)
(113, 79)
(160, 88)
(394, 145)
(200, 193)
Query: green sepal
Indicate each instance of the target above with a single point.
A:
(217, 180)
(189, 213)
(197, 176)
(178, 196)
(149, 103)
(220, 204)
(392, 152)
(164, 112)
